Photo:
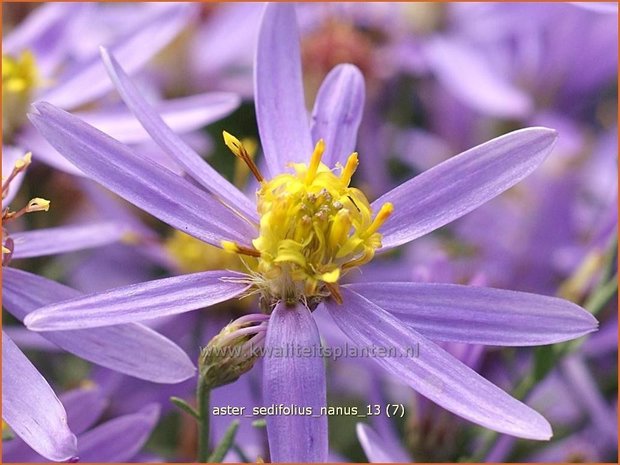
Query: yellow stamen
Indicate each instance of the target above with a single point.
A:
(384, 213)
(37, 205)
(237, 148)
(315, 161)
(349, 168)
(233, 247)
(24, 162)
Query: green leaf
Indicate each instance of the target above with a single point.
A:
(224, 446)
(185, 407)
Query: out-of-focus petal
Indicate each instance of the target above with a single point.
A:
(479, 315)
(132, 349)
(80, 418)
(120, 439)
(338, 112)
(181, 115)
(462, 183)
(472, 80)
(280, 108)
(296, 378)
(52, 241)
(134, 50)
(433, 372)
(31, 408)
(374, 447)
(142, 301)
(174, 146)
(145, 184)
(46, 32)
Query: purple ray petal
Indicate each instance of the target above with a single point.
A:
(181, 115)
(80, 418)
(174, 146)
(142, 301)
(479, 315)
(291, 379)
(472, 80)
(52, 241)
(433, 372)
(375, 447)
(31, 408)
(120, 439)
(145, 184)
(280, 108)
(29, 340)
(462, 183)
(134, 50)
(115, 347)
(338, 112)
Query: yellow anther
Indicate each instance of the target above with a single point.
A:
(233, 247)
(315, 161)
(5, 249)
(238, 149)
(384, 213)
(37, 205)
(241, 167)
(349, 168)
(24, 162)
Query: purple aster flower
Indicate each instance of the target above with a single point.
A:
(42, 61)
(307, 229)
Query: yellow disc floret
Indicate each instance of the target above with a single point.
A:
(313, 228)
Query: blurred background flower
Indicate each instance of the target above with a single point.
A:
(440, 78)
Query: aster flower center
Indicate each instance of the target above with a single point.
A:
(313, 228)
(19, 79)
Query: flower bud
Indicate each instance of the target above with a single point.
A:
(233, 351)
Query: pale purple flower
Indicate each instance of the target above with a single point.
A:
(69, 73)
(381, 314)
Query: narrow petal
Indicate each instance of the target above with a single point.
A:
(52, 241)
(375, 447)
(134, 50)
(464, 71)
(115, 347)
(145, 184)
(80, 418)
(120, 439)
(280, 107)
(479, 315)
(182, 115)
(338, 112)
(174, 146)
(433, 372)
(31, 408)
(462, 183)
(142, 301)
(297, 379)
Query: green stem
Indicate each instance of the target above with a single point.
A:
(203, 393)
